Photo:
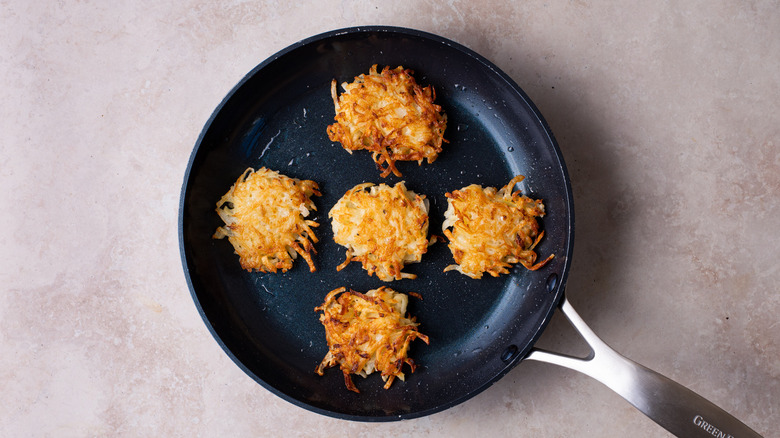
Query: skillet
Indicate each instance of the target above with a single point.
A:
(276, 117)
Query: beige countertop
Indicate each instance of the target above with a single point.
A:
(666, 114)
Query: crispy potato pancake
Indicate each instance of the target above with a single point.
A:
(367, 332)
(383, 227)
(489, 229)
(391, 116)
(264, 214)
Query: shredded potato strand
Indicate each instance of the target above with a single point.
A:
(366, 333)
(382, 227)
(391, 116)
(489, 229)
(264, 214)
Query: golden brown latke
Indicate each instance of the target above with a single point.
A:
(489, 230)
(390, 115)
(367, 332)
(383, 227)
(264, 215)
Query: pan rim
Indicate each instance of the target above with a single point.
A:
(557, 289)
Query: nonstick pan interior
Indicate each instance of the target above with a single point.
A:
(276, 117)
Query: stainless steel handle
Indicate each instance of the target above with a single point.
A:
(673, 406)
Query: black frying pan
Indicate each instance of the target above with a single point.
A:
(276, 117)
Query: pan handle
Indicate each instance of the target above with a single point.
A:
(671, 405)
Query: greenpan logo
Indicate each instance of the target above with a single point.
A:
(709, 428)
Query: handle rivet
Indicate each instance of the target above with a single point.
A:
(509, 353)
(552, 281)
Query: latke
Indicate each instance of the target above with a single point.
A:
(366, 333)
(489, 230)
(264, 215)
(391, 116)
(383, 227)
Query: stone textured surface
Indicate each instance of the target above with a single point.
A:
(666, 113)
